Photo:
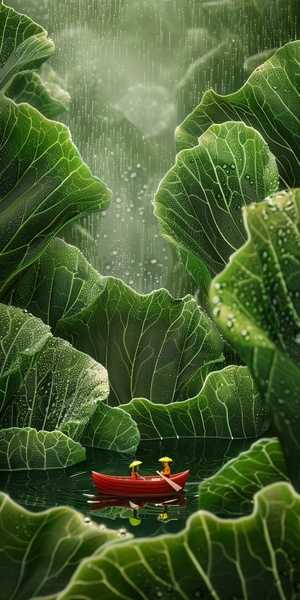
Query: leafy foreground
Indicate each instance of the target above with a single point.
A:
(40, 552)
(253, 557)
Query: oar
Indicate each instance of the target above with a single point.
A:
(174, 485)
(133, 505)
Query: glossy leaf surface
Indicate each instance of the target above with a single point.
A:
(27, 448)
(230, 491)
(212, 558)
(268, 101)
(48, 385)
(151, 345)
(228, 406)
(41, 551)
(199, 202)
(257, 307)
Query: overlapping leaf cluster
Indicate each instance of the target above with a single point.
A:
(46, 385)
(155, 348)
(153, 366)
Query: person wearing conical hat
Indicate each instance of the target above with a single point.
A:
(166, 461)
(135, 469)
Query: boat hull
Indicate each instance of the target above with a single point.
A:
(150, 486)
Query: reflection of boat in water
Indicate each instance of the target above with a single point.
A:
(151, 486)
(106, 501)
(164, 506)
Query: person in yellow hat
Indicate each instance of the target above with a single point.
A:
(166, 461)
(135, 469)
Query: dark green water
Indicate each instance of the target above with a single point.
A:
(74, 487)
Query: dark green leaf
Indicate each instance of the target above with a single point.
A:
(253, 557)
(58, 285)
(44, 91)
(48, 385)
(151, 345)
(44, 184)
(110, 428)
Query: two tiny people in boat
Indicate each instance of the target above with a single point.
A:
(136, 463)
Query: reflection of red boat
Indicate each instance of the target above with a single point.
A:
(150, 485)
(105, 501)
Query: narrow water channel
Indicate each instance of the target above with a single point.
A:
(74, 487)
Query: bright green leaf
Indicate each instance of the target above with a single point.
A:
(48, 385)
(228, 406)
(61, 391)
(253, 557)
(257, 307)
(21, 341)
(58, 285)
(40, 551)
(199, 202)
(230, 491)
(24, 45)
(269, 101)
(28, 448)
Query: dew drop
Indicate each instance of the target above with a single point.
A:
(122, 532)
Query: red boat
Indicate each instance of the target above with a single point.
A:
(152, 486)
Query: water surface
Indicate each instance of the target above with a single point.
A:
(74, 487)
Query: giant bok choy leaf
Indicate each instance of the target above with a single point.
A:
(268, 102)
(257, 307)
(252, 557)
(199, 202)
(53, 392)
(104, 318)
(40, 552)
(227, 406)
(151, 345)
(230, 491)
(43, 180)
(48, 386)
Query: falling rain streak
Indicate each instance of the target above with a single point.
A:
(134, 71)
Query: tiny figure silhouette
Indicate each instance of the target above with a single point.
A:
(164, 516)
(135, 469)
(135, 520)
(166, 470)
